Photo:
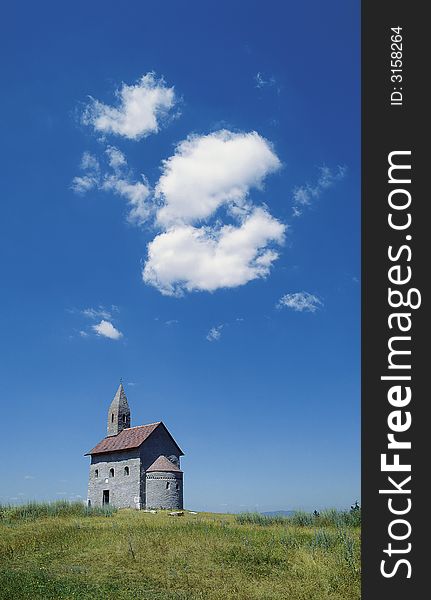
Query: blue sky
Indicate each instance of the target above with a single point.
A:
(180, 208)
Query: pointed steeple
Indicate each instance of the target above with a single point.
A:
(119, 412)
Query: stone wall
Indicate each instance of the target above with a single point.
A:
(160, 442)
(164, 490)
(125, 491)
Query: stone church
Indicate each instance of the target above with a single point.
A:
(135, 467)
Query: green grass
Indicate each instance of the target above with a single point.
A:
(326, 518)
(61, 508)
(65, 551)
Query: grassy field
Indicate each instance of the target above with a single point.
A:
(65, 552)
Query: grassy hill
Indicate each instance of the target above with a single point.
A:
(64, 551)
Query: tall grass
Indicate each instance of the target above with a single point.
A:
(326, 518)
(54, 552)
(61, 508)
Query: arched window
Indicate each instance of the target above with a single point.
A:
(96, 473)
(126, 471)
(111, 472)
(177, 486)
(167, 485)
(112, 418)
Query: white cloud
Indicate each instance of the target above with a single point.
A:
(90, 162)
(119, 181)
(116, 158)
(196, 250)
(104, 316)
(84, 183)
(214, 334)
(136, 195)
(90, 179)
(211, 170)
(107, 329)
(139, 112)
(304, 195)
(261, 82)
(97, 313)
(29, 477)
(300, 302)
(186, 258)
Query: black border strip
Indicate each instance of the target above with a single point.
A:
(387, 128)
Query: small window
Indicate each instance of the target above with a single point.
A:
(126, 471)
(167, 485)
(112, 418)
(124, 419)
(111, 472)
(96, 473)
(177, 486)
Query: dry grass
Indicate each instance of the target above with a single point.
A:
(136, 555)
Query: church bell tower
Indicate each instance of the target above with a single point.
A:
(119, 413)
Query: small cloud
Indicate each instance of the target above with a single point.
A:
(261, 82)
(90, 162)
(304, 195)
(214, 334)
(119, 180)
(29, 477)
(107, 329)
(172, 322)
(116, 158)
(102, 314)
(141, 109)
(84, 183)
(300, 302)
(97, 313)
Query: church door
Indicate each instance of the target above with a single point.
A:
(105, 499)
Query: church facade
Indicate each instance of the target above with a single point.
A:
(135, 467)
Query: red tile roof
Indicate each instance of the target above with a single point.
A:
(125, 440)
(163, 464)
